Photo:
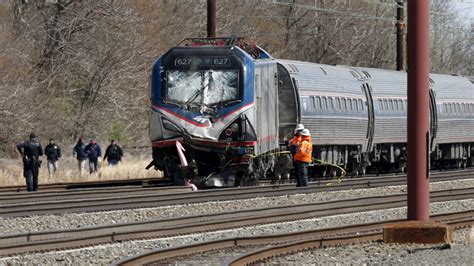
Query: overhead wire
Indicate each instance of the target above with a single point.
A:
(353, 14)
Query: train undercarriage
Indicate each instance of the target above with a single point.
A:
(234, 166)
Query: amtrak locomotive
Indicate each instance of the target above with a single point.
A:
(233, 107)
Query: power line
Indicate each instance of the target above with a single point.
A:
(353, 15)
(314, 17)
(314, 8)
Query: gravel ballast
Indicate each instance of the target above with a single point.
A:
(458, 253)
(105, 254)
(36, 223)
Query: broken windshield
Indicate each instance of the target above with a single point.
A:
(206, 87)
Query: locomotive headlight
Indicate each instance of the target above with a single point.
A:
(228, 132)
(234, 127)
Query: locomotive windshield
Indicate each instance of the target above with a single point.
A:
(202, 87)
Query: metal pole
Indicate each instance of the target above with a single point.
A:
(418, 110)
(211, 18)
(400, 27)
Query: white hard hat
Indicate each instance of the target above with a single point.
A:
(299, 127)
(305, 132)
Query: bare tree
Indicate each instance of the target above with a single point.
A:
(74, 67)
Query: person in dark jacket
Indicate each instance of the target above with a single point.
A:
(113, 153)
(93, 153)
(79, 151)
(53, 153)
(30, 151)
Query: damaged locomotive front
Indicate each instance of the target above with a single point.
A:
(205, 123)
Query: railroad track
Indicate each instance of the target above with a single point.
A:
(72, 238)
(159, 181)
(278, 245)
(154, 181)
(14, 204)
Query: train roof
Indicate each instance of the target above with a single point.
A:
(323, 78)
(348, 79)
(249, 47)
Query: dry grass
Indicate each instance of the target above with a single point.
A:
(11, 171)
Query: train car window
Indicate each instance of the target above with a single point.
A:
(318, 103)
(349, 105)
(324, 103)
(344, 104)
(313, 103)
(360, 105)
(445, 108)
(385, 104)
(380, 105)
(330, 104)
(400, 105)
(338, 104)
(354, 105)
(458, 109)
(463, 109)
(305, 102)
(449, 108)
(391, 107)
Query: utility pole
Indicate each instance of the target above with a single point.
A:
(418, 110)
(400, 26)
(211, 18)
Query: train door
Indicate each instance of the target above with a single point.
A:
(370, 111)
(433, 120)
(288, 103)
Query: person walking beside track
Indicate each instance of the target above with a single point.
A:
(303, 157)
(53, 153)
(30, 151)
(294, 142)
(113, 153)
(79, 151)
(93, 153)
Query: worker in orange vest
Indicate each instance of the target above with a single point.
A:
(303, 157)
(294, 142)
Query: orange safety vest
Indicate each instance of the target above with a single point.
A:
(295, 140)
(305, 150)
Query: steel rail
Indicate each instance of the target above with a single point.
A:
(288, 243)
(34, 242)
(90, 184)
(153, 181)
(122, 201)
(112, 192)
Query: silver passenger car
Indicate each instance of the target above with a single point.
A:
(358, 116)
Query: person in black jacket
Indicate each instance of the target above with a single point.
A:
(30, 151)
(113, 153)
(79, 151)
(94, 152)
(53, 153)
